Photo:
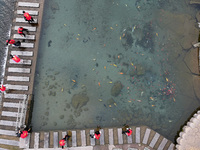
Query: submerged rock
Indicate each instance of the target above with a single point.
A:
(116, 89)
(140, 69)
(79, 100)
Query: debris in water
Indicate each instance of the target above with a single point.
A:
(100, 100)
(74, 81)
(111, 28)
(121, 73)
(62, 90)
(99, 84)
(115, 104)
(139, 100)
(104, 67)
(110, 106)
(94, 29)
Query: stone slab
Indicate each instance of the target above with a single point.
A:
(120, 138)
(154, 140)
(22, 53)
(15, 96)
(137, 134)
(24, 143)
(3, 149)
(22, 20)
(28, 37)
(129, 139)
(8, 123)
(92, 140)
(28, 4)
(12, 105)
(74, 144)
(171, 147)
(31, 12)
(10, 114)
(102, 137)
(19, 70)
(162, 144)
(7, 132)
(55, 139)
(36, 140)
(30, 29)
(17, 87)
(63, 135)
(22, 62)
(83, 138)
(46, 139)
(110, 132)
(9, 142)
(17, 78)
(146, 136)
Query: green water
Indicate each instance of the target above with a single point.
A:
(113, 62)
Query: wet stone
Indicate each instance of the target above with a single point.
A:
(68, 106)
(85, 109)
(116, 89)
(46, 113)
(55, 123)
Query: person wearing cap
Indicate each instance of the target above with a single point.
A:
(63, 141)
(127, 130)
(97, 133)
(3, 88)
(11, 41)
(21, 31)
(15, 58)
(28, 17)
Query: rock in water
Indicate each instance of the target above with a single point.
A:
(79, 100)
(116, 89)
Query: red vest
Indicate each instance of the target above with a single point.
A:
(11, 41)
(129, 133)
(27, 16)
(3, 88)
(24, 134)
(20, 30)
(97, 136)
(62, 142)
(16, 58)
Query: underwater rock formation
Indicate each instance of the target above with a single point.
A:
(140, 69)
(54, 7)
(79, 100)
(116, 89)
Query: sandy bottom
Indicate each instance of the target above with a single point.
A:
(88, 46)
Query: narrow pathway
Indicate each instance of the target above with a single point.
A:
(19, 77)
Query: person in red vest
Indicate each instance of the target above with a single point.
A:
(63, 141)
(21, 31)
(127, 130)
(97, 133)
(15, 58)
(3, 88)
(11, 41)
(28, 17)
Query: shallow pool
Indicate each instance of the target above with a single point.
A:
(113, 62)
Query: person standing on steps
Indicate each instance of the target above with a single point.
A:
(28, 17)
(64, 140)
(3, 88)
(127, 130)
(97, 133)
(11, 41)
(15, 58)
(21, 31)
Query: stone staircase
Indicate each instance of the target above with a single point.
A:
(19, 77)
(112, 136)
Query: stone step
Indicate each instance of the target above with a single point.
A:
(83, 138)
(3, 149)
(28, 4)
(17, 78)
(28, 37)
(63, 135)
(92, 140)
(15, 96)
(22, 20)
(120, 138)
(137, 135)
(22, 62)
(162, 144)
(10, 114)
(31, 12)
(7, 132)
(17, 87)
(9, 142)
(25, 45)
(110, 132)
(36, 140)
(46, 139)
(19, 70)
(154, 140)
(22, 53)
(11, 105)
(171, 147)
(24, 143)
(55, 139)
(30, 29)
(8, 123)
(102, 142)
(146, 136)
(74, 144)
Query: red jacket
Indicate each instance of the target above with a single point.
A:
(129, 132)
(27, 16)
(97, 136)
(10, 41)
(20, 30)
(3, 88)
(16, 58)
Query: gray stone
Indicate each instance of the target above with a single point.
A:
(79, 100)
